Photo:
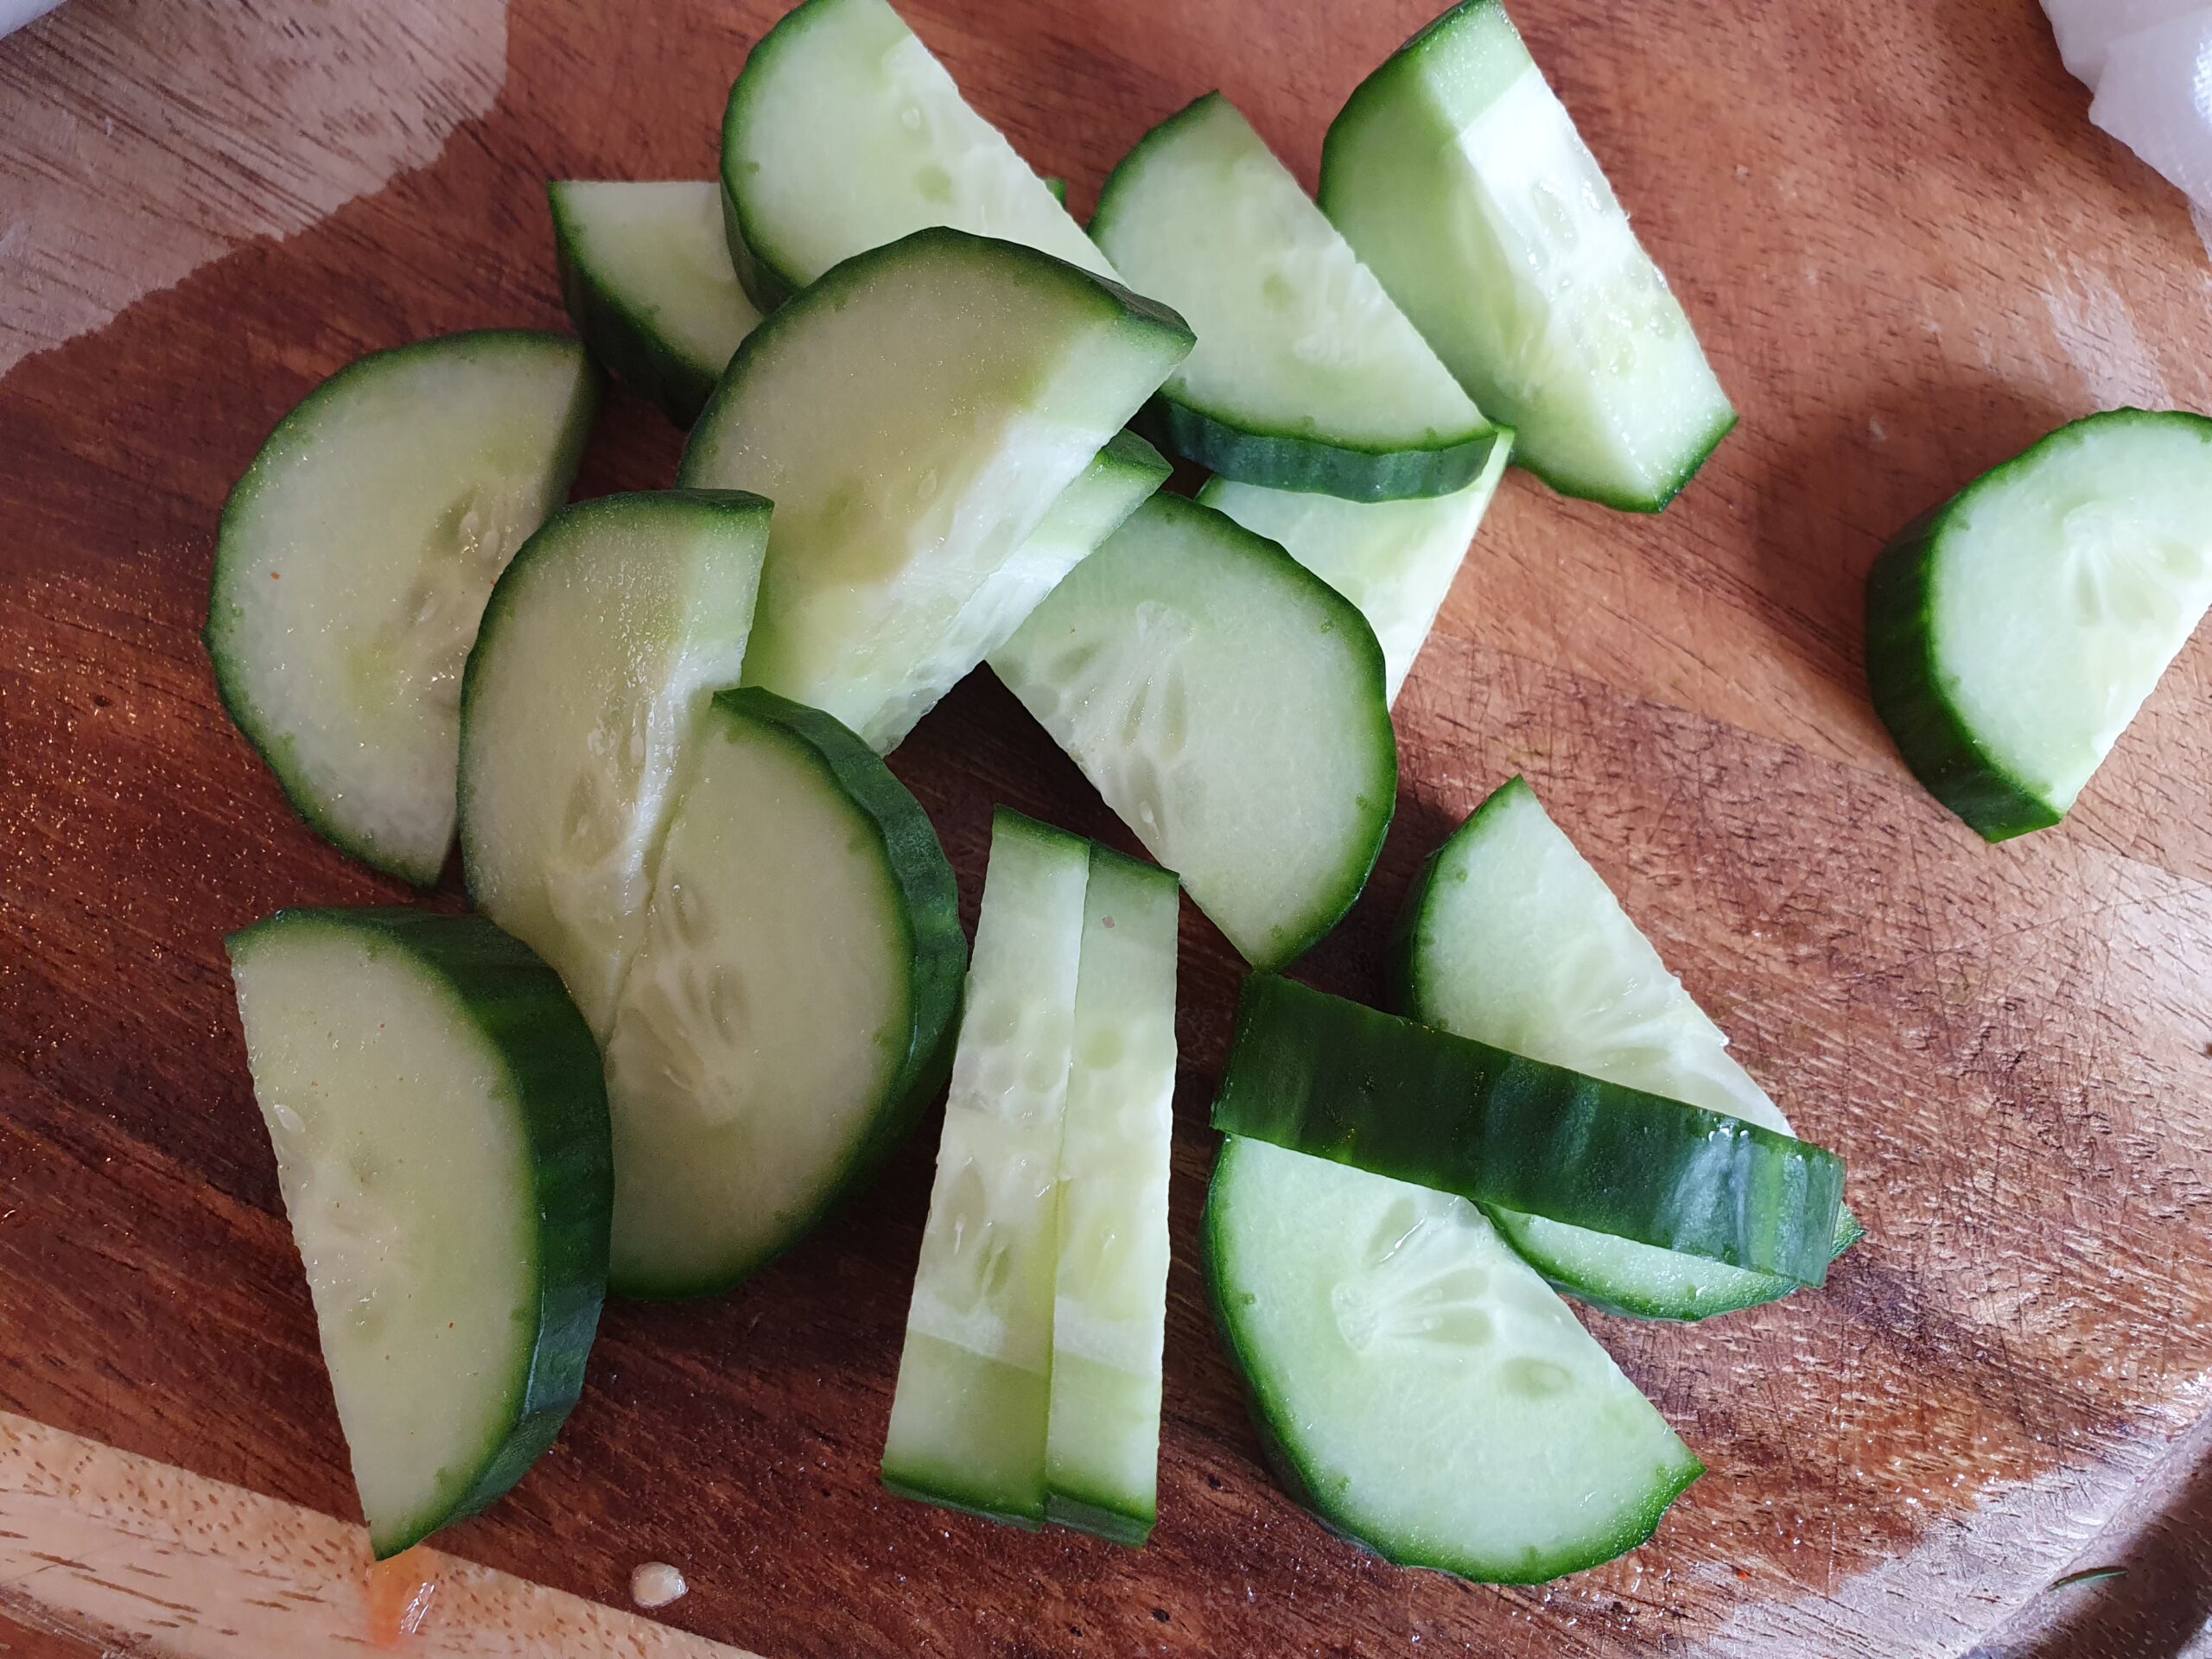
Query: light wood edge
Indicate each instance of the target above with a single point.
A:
(135, 1555)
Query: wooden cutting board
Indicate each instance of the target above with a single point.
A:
(1909, 257)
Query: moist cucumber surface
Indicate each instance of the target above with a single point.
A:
(646, 276)
(354, 559)
(914, 415)
(843, 133)
(2013, 634)
(1229, 706)
(969, 1419)
(1457, 176)
(1394, 560)
(441, 1136)
(1306, 376)
(1417, 1384)
(792, 1007)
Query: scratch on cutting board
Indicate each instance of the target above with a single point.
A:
(250, 123)
(2096, 330)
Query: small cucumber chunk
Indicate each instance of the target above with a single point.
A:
(1417, 1385)
(2012, 633)
(647, 278)
(913, 415)
(441, 1143)
(1457, 176)
(354, 559)
(1306, 376)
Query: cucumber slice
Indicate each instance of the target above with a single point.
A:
(844, 133)
(354, 558)
(1511, 938)
(792, 1008)
(1321, 1074)
(597, 654)
(2012, 633)
(1229, 706)
(646, 275)
(969, 1422)
(1458, 177)
(1109, 1307)
(1394, 560)
(912, 416)
(441, 1143)
(1306, 376)
(1417, 1386)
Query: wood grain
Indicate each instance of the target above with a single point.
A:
(1909, 255)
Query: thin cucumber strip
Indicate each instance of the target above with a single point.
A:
(1417, 1386)
(1323, 1076)
(1230, 705)
(646, 275)
(792, 1007)
(354, 559)
(1457, 176)
(2012, 633)
(844, 133)
(1109, 1306)
(913, 415)
(1394, 560)
(598, 653)
(441, 1143)
(970, 1420)
(1306, 376)
(1509, 938)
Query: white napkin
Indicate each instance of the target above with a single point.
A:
(2149, 64)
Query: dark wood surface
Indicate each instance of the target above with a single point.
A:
(1909, 257)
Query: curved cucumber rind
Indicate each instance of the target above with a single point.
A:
(645, 274)
(793, 1006)
(1306, 376)
(1229, 706)
(2013, 632)
(1457, 176)
(1416, 1386)
(442, 1140)
(1329, 1078)
(354, 558)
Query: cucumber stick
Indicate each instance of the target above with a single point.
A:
(2012, 633)
(1457, 176)
(1394, 560)
(1323, 1076)
(354, 559)
(914, 415)
(1417, 1385)
(1306, 376)
(646, 275)
(1229, 706)
(844, 133)
(441, 1143)
(1509, 938)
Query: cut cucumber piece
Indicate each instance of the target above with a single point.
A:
(354, 558)
(912, 416)
(1511, 938)
(1306, 376)
(1323, 1076)
(1417, 1386)
(647, 274)
(792, 1008)
(844, 133)
(969, 1422)
(1230, 705)
(1110, 1308)
(2012, 633)
(1458, 177)
(1394, 560)
(597, 654)
(441, 1143)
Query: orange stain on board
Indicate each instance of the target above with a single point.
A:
(399, 1591)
